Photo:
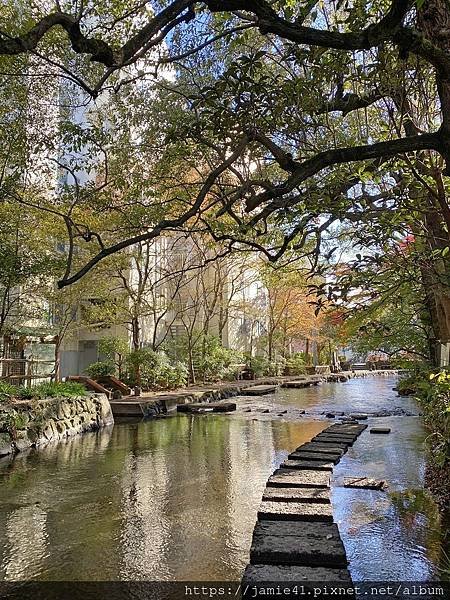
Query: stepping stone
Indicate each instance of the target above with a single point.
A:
(299, 543)
(318, 447)
(196, 407)
(313, 456)
(336, 438)
(347, 429)
(380, 430)
(359, 416)
(320, 495)
(299, 478)
(339, 427)
(318, 464)
(364, 483)
(292, 576)
(259, 390)
(295, 511)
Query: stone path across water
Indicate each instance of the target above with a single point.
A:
(295, 541)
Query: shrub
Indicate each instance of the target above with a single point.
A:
(276, 366)
(296, 364)
(100, 369)
(115, 351)
(173, 376)
(25, 393)
(7, 391)
(66, 389)
(259, 365)
(153, 370)
(434, 395)
(13, 422)
(210, 359)
(215, 360)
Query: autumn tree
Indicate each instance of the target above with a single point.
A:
(291, 319)
(296, 117)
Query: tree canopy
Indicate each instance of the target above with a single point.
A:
(284, 126)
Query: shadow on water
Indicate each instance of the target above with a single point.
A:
(176, 499)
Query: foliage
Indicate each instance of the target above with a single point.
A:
(41, 391)
(7, 391)
(65, 389)
(153, 370)
(297, 364)
(100, 369)
(12, 422)
(291, 320)
(389, 313)
(262, 365)
(210, 359)
(432, 389)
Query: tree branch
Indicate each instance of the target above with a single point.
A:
(328, 158)
(165, 223)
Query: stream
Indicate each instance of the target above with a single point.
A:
(176, 498)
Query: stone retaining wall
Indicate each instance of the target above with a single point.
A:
(35, 423)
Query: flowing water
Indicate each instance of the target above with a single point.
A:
(176, 498)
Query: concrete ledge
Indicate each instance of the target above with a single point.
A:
(336, 448)
(216, 407)
(258, 575)
(314, 456)
(335, 438)
(259, 390)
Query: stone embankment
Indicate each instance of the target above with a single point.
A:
(295, 541)
(35, 423)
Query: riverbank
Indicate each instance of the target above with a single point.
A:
(32, 424)
(155, 404)
(431, 389)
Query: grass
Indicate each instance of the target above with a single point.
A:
(67, 389)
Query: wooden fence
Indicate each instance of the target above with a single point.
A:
(24, 371)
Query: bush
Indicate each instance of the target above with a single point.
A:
(215, 360)
(66, 389)
(7, 391)
(173, 376)
(296, 364)
(434, 395)
(100, 369)
(259, 365)
(210, 359)
(13, 422)
(153, 370)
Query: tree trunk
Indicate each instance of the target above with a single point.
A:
(191, 364)
(57, 359)
(270, 346)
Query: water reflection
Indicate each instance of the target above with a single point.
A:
(177, 498)
(172, 499)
